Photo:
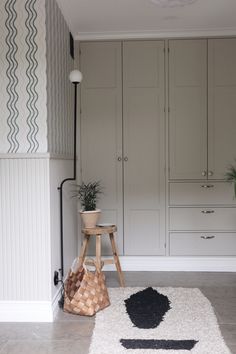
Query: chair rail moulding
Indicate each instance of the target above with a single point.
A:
(45, 155)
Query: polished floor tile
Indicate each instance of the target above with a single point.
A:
(71, 334)
(232, 348)
(46, 331)
(47, 347)
(229, 333)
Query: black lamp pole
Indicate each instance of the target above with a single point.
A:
(75, 78)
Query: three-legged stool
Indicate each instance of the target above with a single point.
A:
(98, 231)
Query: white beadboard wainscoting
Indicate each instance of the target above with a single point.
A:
(25, 229)
(59, 170)
(30, 235)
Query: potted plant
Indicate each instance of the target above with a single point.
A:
(88, 194)
(231, 177)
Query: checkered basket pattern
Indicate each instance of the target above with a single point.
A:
(85, 292)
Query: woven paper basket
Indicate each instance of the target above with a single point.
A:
(85, 292)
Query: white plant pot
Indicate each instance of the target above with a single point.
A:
(90, 218)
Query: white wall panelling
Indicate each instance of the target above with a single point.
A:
(30, 235)
(60, 169)
(25, 230)
(36, 118)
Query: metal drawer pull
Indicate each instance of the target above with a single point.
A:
(207, 211)
(207, 237)
(207, 185)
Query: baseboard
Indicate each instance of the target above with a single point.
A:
(26, 311)
(180, 264)
(55, 306)
(30, 311)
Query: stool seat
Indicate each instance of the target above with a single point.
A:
(98, 231)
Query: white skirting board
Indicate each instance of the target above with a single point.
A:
(45, 311)
(178, 264)
(29, 311)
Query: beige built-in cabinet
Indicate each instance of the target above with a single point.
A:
(202, 94)
(151, 104)
(202, 144)
(122, 138)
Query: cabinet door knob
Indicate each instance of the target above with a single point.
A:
(210, 173)
(125, 158)
(207, 237)
(119, 158)
(204, 173)
(207, 185)
(207, 211)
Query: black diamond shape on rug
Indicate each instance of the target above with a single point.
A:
(147, 308)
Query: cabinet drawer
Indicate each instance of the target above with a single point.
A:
(202, 244)
(202, 219)
(205, 193)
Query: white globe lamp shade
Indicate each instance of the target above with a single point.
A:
(75, 76)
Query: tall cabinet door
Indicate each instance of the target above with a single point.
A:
(188, 109)
(101, 128)
(143, 127)
(222, 105)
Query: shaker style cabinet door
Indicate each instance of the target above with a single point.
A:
(144, 141)
(187, 109)
(221, 106)
(101, 128)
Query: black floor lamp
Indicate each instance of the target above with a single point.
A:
(75, 77)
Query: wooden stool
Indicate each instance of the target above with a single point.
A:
(98, 231)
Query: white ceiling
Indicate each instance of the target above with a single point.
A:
(106, 19)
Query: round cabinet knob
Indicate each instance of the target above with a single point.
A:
(210, 173)
(204, 173)
(119, 158)
(125, 158)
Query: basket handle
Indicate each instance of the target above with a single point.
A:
(93, 263)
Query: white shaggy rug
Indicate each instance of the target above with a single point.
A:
(157, 320)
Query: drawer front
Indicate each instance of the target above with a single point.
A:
(202, 244)
(205, 193)
(202, 219)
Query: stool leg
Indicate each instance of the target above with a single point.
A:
(83, 249)
(116, 260)
(98, 252)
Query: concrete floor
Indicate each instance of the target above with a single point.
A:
(71, 334)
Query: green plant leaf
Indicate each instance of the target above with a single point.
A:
(230, 176)
(88, 194)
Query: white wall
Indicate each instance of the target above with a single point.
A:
(36, 140)
(60, 99)
(24, 226)
(60, 169)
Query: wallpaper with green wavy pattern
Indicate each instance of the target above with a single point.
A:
(35, 94)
